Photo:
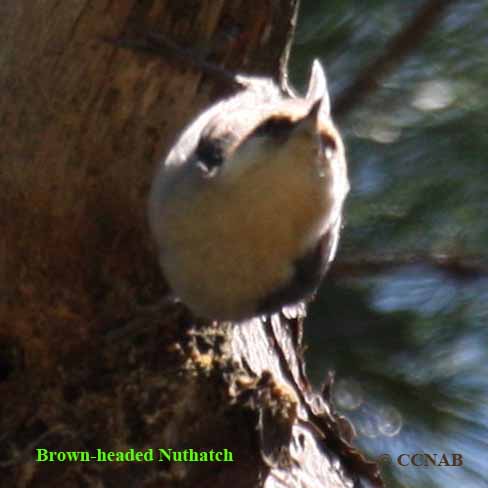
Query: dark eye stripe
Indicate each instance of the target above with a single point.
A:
(328, 143)
(210, 153)
(275, 127)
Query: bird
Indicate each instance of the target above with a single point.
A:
(246, 209)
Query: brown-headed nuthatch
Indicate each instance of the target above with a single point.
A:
(246, 208)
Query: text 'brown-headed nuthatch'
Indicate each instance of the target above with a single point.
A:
(246, 208)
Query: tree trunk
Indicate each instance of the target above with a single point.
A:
(83, 123)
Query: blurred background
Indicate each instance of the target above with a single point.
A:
(402, 317)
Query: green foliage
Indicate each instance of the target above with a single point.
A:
(410, 338)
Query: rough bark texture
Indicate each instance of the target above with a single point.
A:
(83, 123)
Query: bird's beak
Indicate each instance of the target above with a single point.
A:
(309, 123)
(317, 87)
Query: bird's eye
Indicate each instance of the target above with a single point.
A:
(276, 127)
(210, 154)
(328, 145)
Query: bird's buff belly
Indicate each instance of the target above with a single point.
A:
(226, 266)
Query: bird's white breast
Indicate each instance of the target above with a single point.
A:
(235, 242)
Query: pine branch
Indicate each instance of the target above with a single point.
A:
(400, 46)
(459, 267)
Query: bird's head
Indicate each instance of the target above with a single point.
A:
(252, 136)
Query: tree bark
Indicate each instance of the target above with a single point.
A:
(83, 123)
